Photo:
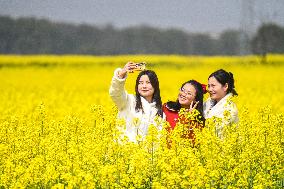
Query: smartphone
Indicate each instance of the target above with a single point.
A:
(140, 66)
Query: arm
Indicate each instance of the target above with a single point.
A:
(117, 91)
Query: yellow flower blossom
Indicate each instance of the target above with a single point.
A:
(59, 127)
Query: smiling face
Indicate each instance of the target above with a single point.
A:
(216, 90)
(186, 95)
(145, 88)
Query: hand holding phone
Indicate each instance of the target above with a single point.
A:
(130, 67)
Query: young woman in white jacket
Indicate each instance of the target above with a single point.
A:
(141, 109)
(221, 88)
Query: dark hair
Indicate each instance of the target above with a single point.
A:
(199, 97)
(156, 96)
(224, 77)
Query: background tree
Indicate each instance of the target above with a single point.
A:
(229, 43)
(268, 39)
(40, 36)
(202, 44)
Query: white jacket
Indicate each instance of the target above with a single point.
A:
(137, 123)
(225, 109)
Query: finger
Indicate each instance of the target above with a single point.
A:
(191, 104)
(128, 64)
(131, 64)
(127, 68)
(195, 105)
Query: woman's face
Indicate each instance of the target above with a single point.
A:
(216, 90)
(186, 95)
(145, 88)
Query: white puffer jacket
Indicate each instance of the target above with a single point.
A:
(137, 123)
(225, 109)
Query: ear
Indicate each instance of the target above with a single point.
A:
(225, 87)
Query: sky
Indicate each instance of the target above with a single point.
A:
(207, 16)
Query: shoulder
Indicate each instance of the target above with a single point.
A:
(172, 106)
(232, 107)
(230, 104)
(166, 108)
(169, 113)
(207, 104)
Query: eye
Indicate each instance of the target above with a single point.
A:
(186, 92)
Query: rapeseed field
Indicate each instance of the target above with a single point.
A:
(58, 126)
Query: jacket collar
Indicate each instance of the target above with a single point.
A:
(221, 102)
(170, 109)
(144, 101)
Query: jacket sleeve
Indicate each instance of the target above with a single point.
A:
(117, 91)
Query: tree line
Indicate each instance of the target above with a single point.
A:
(41, 36)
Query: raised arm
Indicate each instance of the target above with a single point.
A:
(117, 91)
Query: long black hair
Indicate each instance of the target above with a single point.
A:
(156, 96)
(176, 106)
(224, 77)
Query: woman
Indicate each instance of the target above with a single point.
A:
(190, 97)
(221, 88)
(139, 110)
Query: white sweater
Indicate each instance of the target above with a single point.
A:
(137, 123)
(224, 106)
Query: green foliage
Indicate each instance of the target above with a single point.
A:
(40, 36)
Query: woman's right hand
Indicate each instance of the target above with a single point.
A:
(192, 106)
(128, 68)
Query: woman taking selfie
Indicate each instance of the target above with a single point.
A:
(139, 110)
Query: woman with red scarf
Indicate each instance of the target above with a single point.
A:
(190, 97)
